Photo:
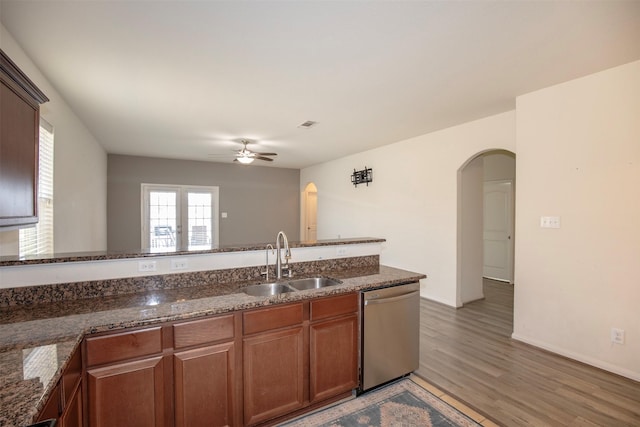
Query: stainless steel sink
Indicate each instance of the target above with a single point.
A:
(277, 288)
(313, 283)
(267, 289)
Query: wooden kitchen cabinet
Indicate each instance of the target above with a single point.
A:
(205, 381)
(333, 346)
(183, 374)
(72, 414)
(71, 387)
(126, 379)
(20, 103)
(127, 394)
(51, 409)
(244, 368)
(65, 403)
(204, 386)
(274, 362)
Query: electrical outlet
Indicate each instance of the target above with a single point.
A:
(179, 264)
(146, 266)
(617, 336)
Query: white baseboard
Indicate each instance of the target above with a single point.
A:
(439, 301)
(579, 357)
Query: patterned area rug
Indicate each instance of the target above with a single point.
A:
(403, 403)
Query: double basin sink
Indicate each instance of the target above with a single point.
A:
(269, 289)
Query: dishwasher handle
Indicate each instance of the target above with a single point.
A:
(392, 299)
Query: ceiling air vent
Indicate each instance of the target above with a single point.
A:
(308, 124)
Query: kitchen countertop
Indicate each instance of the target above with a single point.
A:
(36, 342)
(101, 256)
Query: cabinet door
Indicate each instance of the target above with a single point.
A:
(333, 357)
(127, 394)
(18, 158)
(204, 386)
(52, 407)
(72, 415)
(273, 374)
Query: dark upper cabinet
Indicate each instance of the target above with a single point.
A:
(20, 103)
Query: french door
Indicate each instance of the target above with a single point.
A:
(179, 217)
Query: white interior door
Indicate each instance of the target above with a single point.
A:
(498, 230)
(312, 216)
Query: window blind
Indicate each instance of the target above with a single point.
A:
(39, 239)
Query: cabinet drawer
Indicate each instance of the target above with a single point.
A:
(126, 345)
(334, 306)
(203, 331)
(272, 318)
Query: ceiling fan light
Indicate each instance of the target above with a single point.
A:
(245, 160)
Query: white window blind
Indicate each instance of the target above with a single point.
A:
(39, 239)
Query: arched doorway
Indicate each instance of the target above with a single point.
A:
(486, 195)
(309, 215)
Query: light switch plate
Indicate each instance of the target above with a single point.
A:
(617, 336)
(550, 222)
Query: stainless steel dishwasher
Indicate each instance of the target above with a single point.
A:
(390, 334)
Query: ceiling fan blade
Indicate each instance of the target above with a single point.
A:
(264, 154)
(263, 158)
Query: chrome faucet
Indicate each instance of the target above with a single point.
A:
(287, 255)
(266, 268)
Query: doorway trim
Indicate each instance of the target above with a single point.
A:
(475, 262)
(309, 210)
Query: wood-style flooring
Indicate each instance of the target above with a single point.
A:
(468, 353)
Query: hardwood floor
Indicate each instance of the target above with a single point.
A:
(468, 353)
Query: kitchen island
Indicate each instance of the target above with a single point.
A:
(38, 341)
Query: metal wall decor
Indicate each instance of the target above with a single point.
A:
(361, 177)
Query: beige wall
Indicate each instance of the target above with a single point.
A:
(80, 170)
(259, 201)
(412, 201)
(578, 152)
(578, 157)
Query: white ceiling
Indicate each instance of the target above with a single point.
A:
(182, 79)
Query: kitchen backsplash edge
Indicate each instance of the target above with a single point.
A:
(31, 295)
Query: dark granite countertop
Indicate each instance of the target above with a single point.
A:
(37, 341)
(100, 256)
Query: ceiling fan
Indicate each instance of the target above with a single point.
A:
(246, 156)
